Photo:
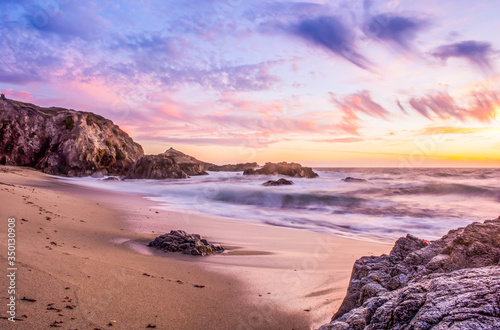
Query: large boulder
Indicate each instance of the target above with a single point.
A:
(450, 283)
(63, 142)
(284, 168)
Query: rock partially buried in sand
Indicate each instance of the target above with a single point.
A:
(450, 283)
(279, 182)
(180, 241)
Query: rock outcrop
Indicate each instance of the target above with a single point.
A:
(180, 241)
(450, 283)
(182, 158)
(284, 168)
(232, 167)
(63, 142)
(279, 182)
(161, 167)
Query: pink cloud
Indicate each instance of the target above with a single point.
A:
(19, 95)
(481, 105)
(352, 104)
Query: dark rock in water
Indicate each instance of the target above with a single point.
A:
(180, 241)
(232, 167)
(283, 168)
(279, 182)
(112, 178)
(162, 167)
(350, 179)
(63, 142)
(450, 283)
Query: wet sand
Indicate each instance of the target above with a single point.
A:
(81, 255)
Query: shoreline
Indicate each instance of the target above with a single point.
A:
(271, 276)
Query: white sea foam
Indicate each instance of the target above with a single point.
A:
(390, 203)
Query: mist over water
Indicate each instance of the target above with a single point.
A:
(390, 203)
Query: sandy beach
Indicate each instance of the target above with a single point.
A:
(82, 263)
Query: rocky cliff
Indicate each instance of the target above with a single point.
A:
(63, 142)
(450, 283)
(284, 168)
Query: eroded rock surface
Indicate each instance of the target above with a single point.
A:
(450, 283)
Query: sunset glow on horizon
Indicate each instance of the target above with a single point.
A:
(324, 83)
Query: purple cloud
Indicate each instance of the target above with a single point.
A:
(70, 20)
(396, 30)
(330, 33)
(476, 52)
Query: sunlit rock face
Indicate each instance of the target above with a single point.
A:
(63, 141)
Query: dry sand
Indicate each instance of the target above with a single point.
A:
(81, 255)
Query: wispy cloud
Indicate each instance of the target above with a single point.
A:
(341, 140)
(352, 104)
(457, 130)
(476, 52)
(332, 34)
(482, 105)
(399, 31)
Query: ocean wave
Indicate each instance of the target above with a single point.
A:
(447, 189)
(284, 199)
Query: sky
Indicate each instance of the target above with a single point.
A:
(323, 83)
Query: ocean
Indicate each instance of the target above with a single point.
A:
(387, 204)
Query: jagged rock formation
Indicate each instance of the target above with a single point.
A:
(279, 182)
(182, 158)
(450, 283)
(284, 168)
(180, 241)
(232, 167)
(163, 166)
(63, 142)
